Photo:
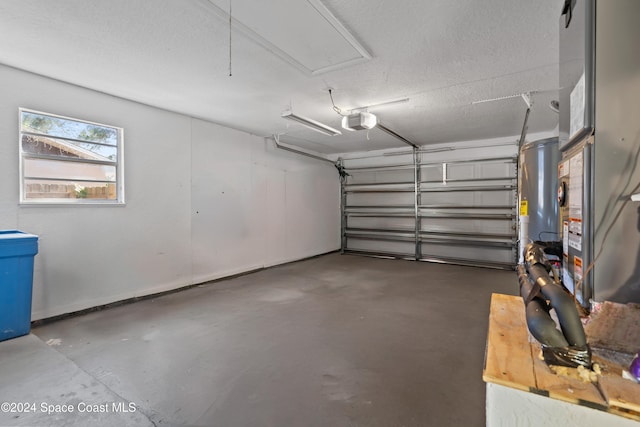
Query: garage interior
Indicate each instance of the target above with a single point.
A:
(278, 213)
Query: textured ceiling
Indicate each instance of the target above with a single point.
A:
(174, 54)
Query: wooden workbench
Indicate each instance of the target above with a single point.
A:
(512, 360)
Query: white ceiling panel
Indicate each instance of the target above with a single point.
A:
(304, 33)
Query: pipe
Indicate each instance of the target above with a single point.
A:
(536, 288)
(539, 322)
(300, 151)
(561, 301)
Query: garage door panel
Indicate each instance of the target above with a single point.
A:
(490, 256)
(381, 177)
(505, 198)
(467, 226)
(382, 247)
(381, 223)
(468, 171)
(432, 173)
(380, 199)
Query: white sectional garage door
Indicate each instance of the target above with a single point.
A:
(454, 205)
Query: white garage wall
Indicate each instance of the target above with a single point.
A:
(203, 202)
(254, 206)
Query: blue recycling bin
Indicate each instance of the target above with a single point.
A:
(17, 250)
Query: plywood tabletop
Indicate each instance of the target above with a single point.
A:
(508, 355)
(511, 360)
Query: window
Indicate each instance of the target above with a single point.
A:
(64, 160)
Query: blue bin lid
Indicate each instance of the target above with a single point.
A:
(15, 234)
(14, 243)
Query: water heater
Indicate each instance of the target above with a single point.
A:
(538, 188)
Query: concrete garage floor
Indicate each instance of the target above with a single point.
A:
(336, 340)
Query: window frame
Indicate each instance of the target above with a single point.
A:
(119, 164)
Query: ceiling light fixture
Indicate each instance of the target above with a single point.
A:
(311, 124)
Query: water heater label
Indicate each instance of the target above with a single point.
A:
(524, 207)
(577, 107)
(565, 238)
(577, 268)
(563, 169)
(575, 186)
(575, 234)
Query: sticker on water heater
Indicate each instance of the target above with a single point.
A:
(577, 268)
(563, 169)
(577, 106)
(565, 238)
(575, 241)
(575, 186)
(575, 233)
(575, 226)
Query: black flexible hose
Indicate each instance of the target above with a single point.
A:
(539, 322)
(568, 348)
(563, 305)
